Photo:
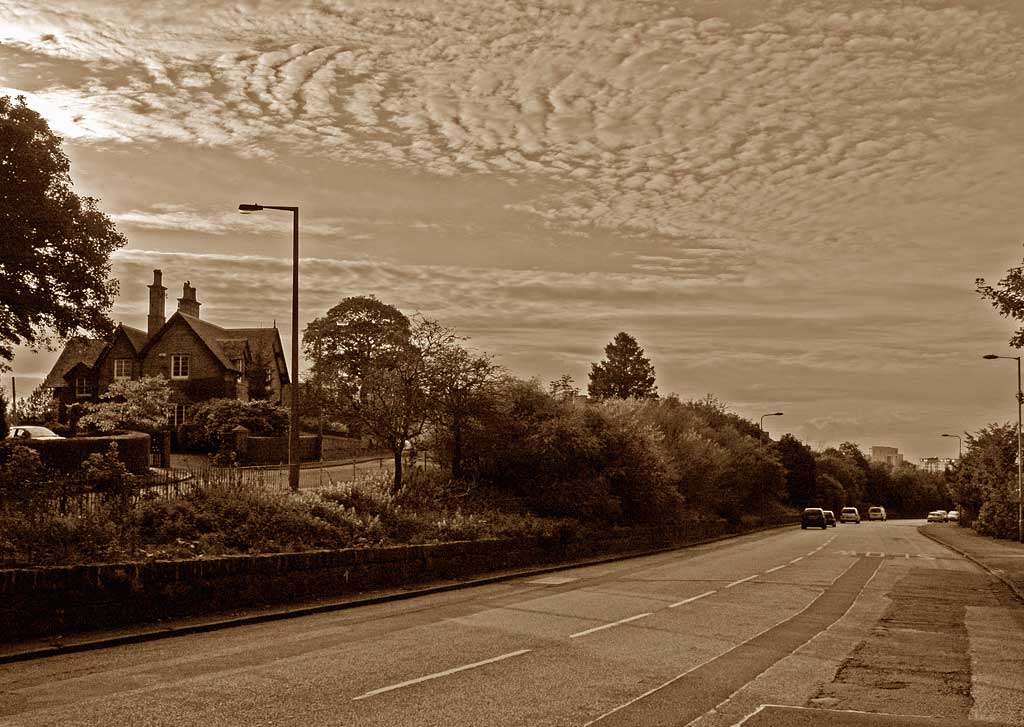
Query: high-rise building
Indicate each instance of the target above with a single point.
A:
(887, 455)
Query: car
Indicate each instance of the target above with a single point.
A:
(32, 432)
(849, 515)
(938, 516)
(813, 517)
(876, 513)
(830, 518)
(953, 516)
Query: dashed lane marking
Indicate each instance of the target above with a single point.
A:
(797, 560)
(778, 567)
(743, 580)
(608, 626)
(691, 599)
(438, 675)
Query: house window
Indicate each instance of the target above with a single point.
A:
(177, 414)
(179, 365)
(82, 387)
(122, 368)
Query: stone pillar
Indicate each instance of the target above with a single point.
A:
(241, 443)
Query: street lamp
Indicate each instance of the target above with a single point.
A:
(959, 441)
(760, 444)
(293, 433)
(1020, 400)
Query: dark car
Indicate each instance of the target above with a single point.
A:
(830, 518)
(813, 517)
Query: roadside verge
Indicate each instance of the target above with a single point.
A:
(1003, 559)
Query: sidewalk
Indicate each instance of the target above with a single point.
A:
(1002, 558)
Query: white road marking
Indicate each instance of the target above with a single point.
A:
(778, 567)
(439, 674)
(797, 560)
(553, 580)
(743, 580)
(715, 658)
(608, 626)
(692, 599)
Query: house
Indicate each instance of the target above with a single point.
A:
(202, 360)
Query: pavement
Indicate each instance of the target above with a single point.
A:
(1004, 559)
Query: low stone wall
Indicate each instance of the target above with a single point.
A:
(58, 600)
(274, 450)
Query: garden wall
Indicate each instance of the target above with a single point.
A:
(59, 600)
(68, 454)
(274, 450)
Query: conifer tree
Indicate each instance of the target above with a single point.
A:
(624, 374)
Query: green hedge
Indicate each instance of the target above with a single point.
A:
(69, 454)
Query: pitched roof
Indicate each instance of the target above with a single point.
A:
(211, 335)
(78, 350)
(264, 343)
(234, 348)
(137, 337)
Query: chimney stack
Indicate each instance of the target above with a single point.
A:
(187, 303)
(157, 298)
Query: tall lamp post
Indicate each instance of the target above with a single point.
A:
(1020, 400)
(293, 431)
(760, 442)
(959, 441)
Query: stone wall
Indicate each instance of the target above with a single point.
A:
(58, 600)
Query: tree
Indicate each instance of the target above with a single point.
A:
(564, 388)
(459, 391)
(39, 408)
(3, 416)
(353, 336)
(258, 375)
(1007, 298)
(56, 245)
(990, 460)
(625, 374)
(395, 403)
(801, 472)
(131, 404)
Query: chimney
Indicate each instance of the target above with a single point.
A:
(187, 303)
(157, 298)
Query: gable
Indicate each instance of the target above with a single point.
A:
(79, 350)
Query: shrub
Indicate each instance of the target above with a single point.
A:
(211, 423)
(68, 455)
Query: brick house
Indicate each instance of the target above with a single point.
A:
(202, 360)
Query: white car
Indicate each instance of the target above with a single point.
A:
(937, 516)
(953, 516)
(876, 513)
(849, 515)
(32, 433)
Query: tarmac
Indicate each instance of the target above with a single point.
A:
(1004, 559)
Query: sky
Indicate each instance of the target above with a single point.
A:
(785, 202)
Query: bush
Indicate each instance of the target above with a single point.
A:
(211, 423)
(69, 455)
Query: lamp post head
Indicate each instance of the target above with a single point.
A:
(990, 356)
(776, 414)
(250, 207)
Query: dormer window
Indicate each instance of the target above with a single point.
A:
(122, 369)
(179, 365)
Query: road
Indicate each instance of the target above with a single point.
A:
(860, 618)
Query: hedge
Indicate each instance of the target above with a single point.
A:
(68, 454)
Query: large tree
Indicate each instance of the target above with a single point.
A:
(801, 471)
(1007, 297)
(55, 267)
(624, 374)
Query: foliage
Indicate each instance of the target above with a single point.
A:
(258, 374)
(39, 408)
(57, 245)
(564, 388)
(211, 423)
(624, 374)
(1007, 297)
(4, 429)
(137, 404)
(801, 471)
(21, 471)
(980, 475)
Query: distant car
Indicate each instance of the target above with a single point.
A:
(830, 518)
(849, 515)
(953, 516)
(876, 513)
(32, 433)
(938, 516)
(813, 517)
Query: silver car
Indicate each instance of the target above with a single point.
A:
(32, 432)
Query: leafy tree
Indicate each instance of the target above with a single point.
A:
(4, 429)
(210, 424)
(460, 392)
(989, 461)
(39, 408)
(258, 375)
(56, 245)
(564, 388)
(624, 374)
(801, 471)
(130, 404)
(353, 336)
(1007, 297)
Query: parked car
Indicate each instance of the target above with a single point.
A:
(32, 432)
(813, 517)
(849, 515)
(937, 516)
(876, 513)
(830, 518)
(953, 516)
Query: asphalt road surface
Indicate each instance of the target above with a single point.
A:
(843, 626)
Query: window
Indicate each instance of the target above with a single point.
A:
(177, 414)
(82, 387)
(122, 368)
(179, 365)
